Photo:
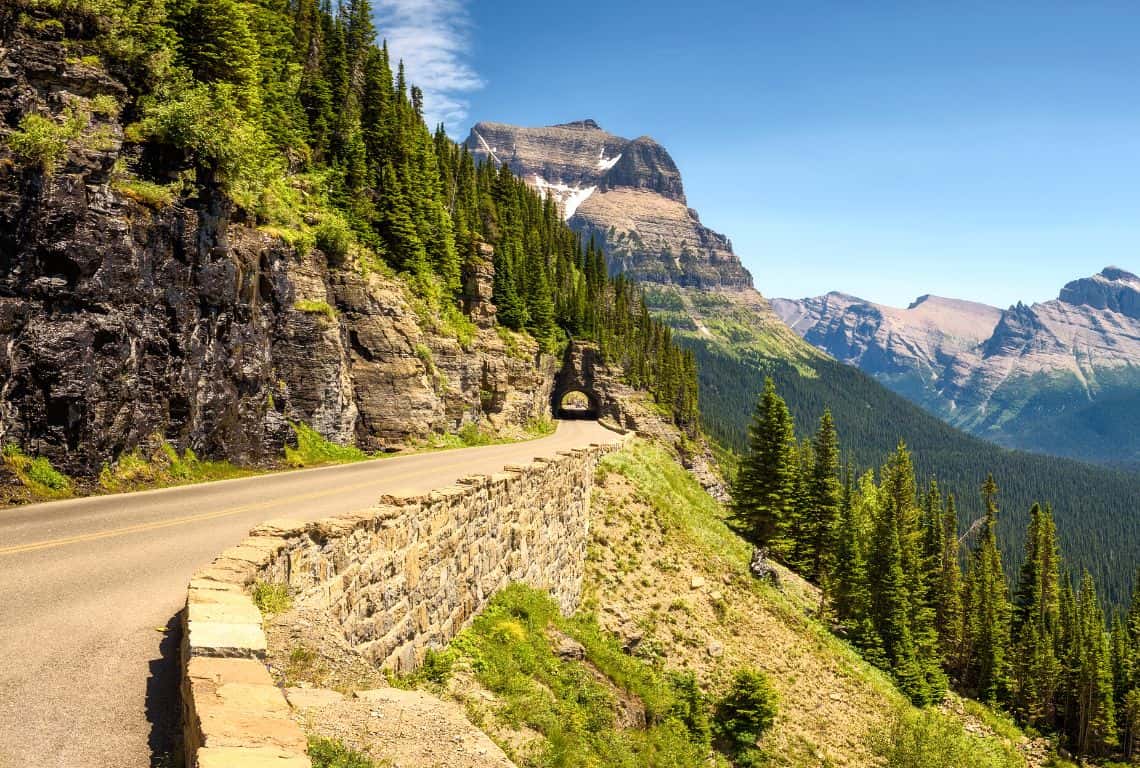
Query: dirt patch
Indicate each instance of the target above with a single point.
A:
(408, 729)
(307, 647)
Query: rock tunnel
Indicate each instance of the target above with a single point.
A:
(576, 392)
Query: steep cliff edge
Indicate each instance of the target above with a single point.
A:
(121, 320)
(627, 194)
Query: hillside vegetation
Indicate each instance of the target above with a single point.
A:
(888, 554)
(670, 625)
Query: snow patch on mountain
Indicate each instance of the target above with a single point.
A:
(605, 164)
(487, 147)
(567, 197)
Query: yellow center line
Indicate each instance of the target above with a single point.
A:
(142, 527)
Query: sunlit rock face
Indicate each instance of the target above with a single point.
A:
(124, 323)
(1060, 376)
(626, 194)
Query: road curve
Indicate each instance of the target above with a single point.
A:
(88, 587)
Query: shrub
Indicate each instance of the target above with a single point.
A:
(42, 141)
(334, 239)
(313, 448)
(930, 739)
(271, 598)
(437, 666)
(330, 753)
(105, 105)
(745, 713)
(240, 157)
(471, 434)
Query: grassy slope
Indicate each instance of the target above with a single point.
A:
(668, 580)
(655, 532)
(743, 341)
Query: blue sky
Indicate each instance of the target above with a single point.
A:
(988, 151)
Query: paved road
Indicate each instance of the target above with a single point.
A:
(88, 674)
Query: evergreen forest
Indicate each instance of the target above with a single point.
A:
(325, 144)
(929, 600)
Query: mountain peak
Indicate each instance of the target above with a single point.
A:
(1116, 274)
(626, 193)
(580, 125)
(1112, 289)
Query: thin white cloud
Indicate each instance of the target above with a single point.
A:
(433, 39)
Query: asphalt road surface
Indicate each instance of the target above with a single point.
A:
(90, 589)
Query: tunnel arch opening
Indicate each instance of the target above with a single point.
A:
(575, 403)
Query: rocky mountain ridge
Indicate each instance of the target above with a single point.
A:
(627, 194)
(1057, 376)
(123, 320)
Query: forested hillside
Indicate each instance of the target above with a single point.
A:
(268, 169)
(1095, 508)
(887, 551)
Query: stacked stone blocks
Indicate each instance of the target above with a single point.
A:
(400, 578)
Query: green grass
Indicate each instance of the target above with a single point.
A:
(474, 434)
(998, 722)
(679, 500)
(272, 598)
(310, 307)
(331, 753)
(511, 341)
(574, 705)
(146, 193)
(313, 449)
(36, 473)
(697, 524)
(163, 467)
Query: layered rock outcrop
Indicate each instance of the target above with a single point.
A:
(626, 194)
(122, 320)
(1058, 376)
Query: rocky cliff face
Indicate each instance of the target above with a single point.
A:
(1059, 376)
(625, 193)
(121, 321)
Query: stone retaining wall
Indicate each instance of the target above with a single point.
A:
(400, 578)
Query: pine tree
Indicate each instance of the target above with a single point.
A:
(764, 491)
(821, 517)
(216, 43)
(891, 601)
(948, 593)
(797, 545)
(850, 594)
(1094, 726)
(1035, 667)
(987, 610)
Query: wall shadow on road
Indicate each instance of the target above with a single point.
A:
(164, 698)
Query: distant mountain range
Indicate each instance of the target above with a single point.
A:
(1059, 377)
